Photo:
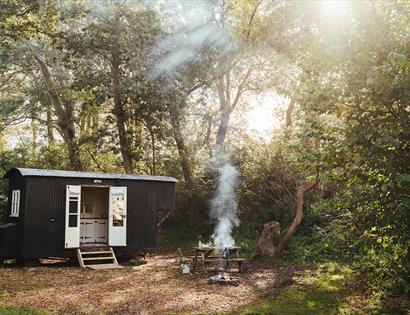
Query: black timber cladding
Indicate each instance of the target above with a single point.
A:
(41, 224)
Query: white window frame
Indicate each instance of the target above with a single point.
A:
(15, 203)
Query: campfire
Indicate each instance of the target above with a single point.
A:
(224, 278)
(221, 258)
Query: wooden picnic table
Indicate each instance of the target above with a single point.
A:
(203, 254)
(230, 254)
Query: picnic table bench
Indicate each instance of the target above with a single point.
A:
(230, 255)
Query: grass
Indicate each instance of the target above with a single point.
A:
(9, 310)
(327, 293)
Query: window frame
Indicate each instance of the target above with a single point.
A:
(15, 203)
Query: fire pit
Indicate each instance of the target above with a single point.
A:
(224, 278)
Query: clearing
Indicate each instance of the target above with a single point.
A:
(156, 287)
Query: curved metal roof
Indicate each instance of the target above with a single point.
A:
(75, 174)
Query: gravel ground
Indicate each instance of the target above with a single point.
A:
(157, 287)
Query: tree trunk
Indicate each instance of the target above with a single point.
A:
(125, 142)
(269, 243)
(34, 132)
(182, 150)
(152, 136)
(298, 216)
(50, 133)
(222, 128)
(208, 130)
(65, 119)
(268, 239)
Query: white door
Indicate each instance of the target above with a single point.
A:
(117, 217)
(87, 233)
(101, 231)
(93, 231)
(72, 216)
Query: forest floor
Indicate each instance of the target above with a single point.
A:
(156, 287)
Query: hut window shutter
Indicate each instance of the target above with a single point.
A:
(15, 203)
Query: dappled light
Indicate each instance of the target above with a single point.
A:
(204, 157)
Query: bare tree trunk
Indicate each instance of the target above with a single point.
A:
(152, 136)
(136, 134)
(298, 216)
(223, 87)
(182, 149)
(228, 100)
(65, 119)
(125, 142)
(223, 128)
(208, 130)
(34, 132)
(50, 133)
(269, 243)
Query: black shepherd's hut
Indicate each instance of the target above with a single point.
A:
(51, 213)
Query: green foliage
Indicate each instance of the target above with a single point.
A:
(356, 102)
(183, 237)
(24, 156)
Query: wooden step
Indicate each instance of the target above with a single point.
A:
(85, 256)
(97, 258)
(94, 253)
(104, 266)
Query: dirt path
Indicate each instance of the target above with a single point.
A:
(154, 288)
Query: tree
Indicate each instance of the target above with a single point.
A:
(118, 44)
(270, 243)
(44, 20)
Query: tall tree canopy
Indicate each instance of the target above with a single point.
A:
(155, 87)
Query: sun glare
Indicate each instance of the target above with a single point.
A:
(263, 118)
(333, 9)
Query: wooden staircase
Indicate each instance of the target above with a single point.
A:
(97, 257)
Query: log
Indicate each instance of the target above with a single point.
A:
(268, 239)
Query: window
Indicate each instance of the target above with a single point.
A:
(118, 210)
(73, 211)
(15, 203)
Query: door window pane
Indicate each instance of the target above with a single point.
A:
(72, 221)
(118, 210)
(73, 207)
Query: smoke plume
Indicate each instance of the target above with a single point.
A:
(224, 206)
